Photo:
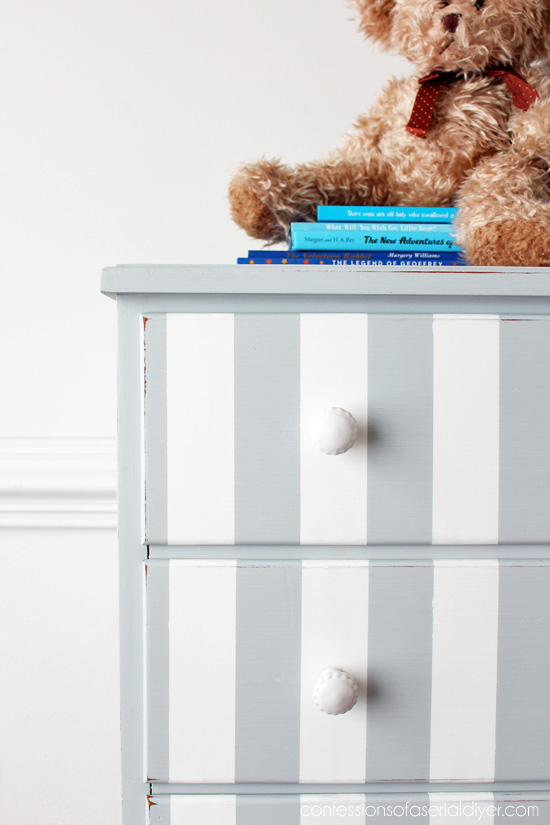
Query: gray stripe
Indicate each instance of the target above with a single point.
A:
(523, 706)
(159, 810)
(156, 496)
(131, 554)
(404, 552)
(267, 428)
(401, 788)
(399, 671)
(400, 449)
(268, 810)
(157, 657)
(268, 663)
(517, 809)
(524, 431)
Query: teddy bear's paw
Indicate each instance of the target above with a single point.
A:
(520, 242)
(251, 213)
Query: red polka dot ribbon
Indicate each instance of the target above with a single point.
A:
(523, 95)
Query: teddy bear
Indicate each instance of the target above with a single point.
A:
(470, 129)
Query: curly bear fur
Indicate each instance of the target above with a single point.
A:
(481, 152)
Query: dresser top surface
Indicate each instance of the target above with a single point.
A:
(203, 279)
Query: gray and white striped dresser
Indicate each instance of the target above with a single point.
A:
(404, 571)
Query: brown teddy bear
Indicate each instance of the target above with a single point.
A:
(471, 129)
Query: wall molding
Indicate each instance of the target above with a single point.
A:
(57, 481)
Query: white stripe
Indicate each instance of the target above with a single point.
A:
(466, 430)
(202, 649)
(334, 634)
(203, 810)
(200, 429)
(464, 670)
(331, 808)
(334, 363)
(461, 809)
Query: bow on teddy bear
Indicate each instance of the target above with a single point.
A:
(471, 129)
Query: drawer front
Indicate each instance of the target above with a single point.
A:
(450, 660)
(359, 809)
(453, 443)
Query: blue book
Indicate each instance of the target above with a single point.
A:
(376, 259)
(403, 214)
(352, 255)
(376, 237)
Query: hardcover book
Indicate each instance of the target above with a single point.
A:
(376, 237)
(382, 260)
(278, 255)
(416, 214)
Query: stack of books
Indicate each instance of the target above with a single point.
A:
(370, 236)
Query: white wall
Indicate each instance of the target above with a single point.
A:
(121, 122)
(59, 685)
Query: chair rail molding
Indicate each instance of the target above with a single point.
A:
(57, 481)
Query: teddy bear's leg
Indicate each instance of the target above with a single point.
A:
(265, 197)
(504, 212)
(519, 242)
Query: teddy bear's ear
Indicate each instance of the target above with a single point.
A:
(375, 18)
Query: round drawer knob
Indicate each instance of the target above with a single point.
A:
(334, 430)
(336, 691)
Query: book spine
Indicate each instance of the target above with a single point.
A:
(418, 214)
(352, 255)
(375, 237)
(376, 260)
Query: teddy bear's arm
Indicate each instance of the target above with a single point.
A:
(266, 196)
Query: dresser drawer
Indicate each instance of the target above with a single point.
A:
(450, 660)
(354, 809)
(452, 447)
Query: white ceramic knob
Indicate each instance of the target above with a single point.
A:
(334, 430)
(336, 691)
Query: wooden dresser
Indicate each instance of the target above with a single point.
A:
(334, 522)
